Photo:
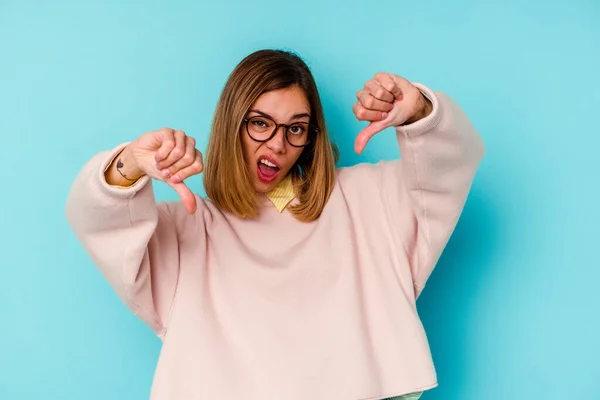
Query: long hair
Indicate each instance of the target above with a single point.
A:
(226, 177)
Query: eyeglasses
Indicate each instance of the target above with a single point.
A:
(263, 129)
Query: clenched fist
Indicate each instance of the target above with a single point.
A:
(167, 155)
(387, 100)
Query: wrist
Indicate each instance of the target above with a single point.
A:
(123, 170)
(126, 165)
(425, 108)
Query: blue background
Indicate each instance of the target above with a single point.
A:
(512, 310)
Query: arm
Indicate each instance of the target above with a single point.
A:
(440, 155)
(132, 240)
(426, 190)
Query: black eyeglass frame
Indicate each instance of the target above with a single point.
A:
(311, 129)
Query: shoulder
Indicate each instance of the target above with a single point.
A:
(365, 184)
(366, 174)
(363, 189)
(175, 212)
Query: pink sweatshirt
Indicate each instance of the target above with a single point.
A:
(273, 308)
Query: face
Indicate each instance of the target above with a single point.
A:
(269, 162)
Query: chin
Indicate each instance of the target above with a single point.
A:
(263, 187)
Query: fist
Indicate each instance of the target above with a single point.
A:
(387, 100)
(170, 156)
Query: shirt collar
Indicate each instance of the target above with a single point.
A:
(283, 193)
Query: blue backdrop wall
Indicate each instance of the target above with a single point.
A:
(512, 309)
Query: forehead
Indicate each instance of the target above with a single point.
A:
(282, 104)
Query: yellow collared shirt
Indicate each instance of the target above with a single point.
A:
(283, 193)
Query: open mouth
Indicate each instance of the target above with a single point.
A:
(267, 170)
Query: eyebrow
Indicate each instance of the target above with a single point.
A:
(294, 117)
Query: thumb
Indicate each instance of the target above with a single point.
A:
(366, 134)
(187, 197)
(399, 84)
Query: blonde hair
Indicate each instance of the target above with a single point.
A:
(226, 177)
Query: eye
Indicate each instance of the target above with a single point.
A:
(297, 129)
(259, 123)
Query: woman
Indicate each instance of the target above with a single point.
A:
(294, 280)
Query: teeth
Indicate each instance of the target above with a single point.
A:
(267, 163)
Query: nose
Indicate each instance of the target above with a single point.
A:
(277, 143)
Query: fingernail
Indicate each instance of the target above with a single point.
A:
(166, 173)
(384, 115)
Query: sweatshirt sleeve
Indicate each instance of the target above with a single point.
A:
(426, 190)
(132, 240)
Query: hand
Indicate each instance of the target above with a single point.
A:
(387, 100)
(167, 155)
